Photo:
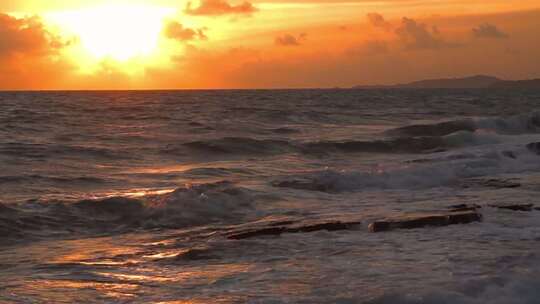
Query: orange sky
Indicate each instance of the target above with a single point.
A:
(165, 44)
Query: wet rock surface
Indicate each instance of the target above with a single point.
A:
(420, 221)
(516, 207)
(195, 254)
(534, 147)
(464, 207)
(491, 183)
(509, 154)
(293, 226)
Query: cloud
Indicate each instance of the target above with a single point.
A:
(176, 31)
(219, 8)
(290, 40)
(487, 30)
(26, 36)
(29, 54)
(204, 67)
(377, 20)
(416, 35)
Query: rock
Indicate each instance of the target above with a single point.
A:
(534, 147)
(491, 183)
(195, 254)
(464, 207)
(296, 227)
(257, 232)
(515, 207)
(509, 154)
(419, 221)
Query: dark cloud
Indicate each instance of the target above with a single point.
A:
(290, 40)
(175, 30)
(416, 35)
(219, 8)
(26, 36)
(29, 54)
(487, 30)
(377, 20)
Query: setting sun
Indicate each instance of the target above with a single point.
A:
(115, 32)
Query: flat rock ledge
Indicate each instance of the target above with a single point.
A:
(494, 183)
(293, 227)
(420, 221)
(534, 147)
(516, 207)
(464, 207)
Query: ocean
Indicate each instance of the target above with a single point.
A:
(132, 196)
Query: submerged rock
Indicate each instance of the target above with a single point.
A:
(464, 207)
(491, 183)
(515, 207)
(293, 227)
(195, 254)
(509, 154)
(534, 147)
(419, 221)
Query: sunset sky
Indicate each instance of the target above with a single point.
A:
(166, 44)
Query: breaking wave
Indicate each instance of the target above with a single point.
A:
(424, 144)
(448, 171)
(515, 289)
(512, 125)
(248, 146)
(185, 207)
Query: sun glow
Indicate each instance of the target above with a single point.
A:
(120, 32)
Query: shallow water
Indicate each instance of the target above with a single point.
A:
(126, 197)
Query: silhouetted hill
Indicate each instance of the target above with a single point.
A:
(473, 82)
(518, 84)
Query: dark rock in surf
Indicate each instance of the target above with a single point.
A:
(491, 183)
(534, 147)
(420, 221)
(294, 227)
(464, 207)
(195, 254)
(515, 207)
(509, 154)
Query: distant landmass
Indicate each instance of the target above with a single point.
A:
(518, 84)
(473, 82)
